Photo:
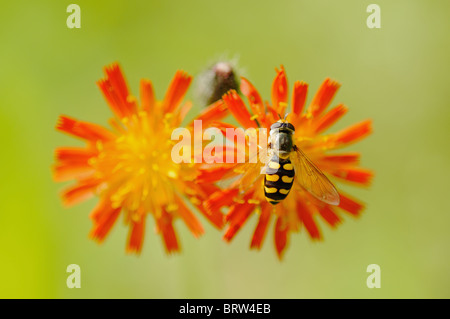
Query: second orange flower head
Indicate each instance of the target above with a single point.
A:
(246, 195)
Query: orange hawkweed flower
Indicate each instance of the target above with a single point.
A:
(245, 196)
(128, 165)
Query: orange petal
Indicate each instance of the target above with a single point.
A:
(207, 189)
(72, 162)
(280, 92)
(238, 109)
(102, 207)
(213, 173)
(189, 219)
(299, 97)
(214, 216)
(201, 193)
(254, 99)
(215, 112)
(176, 91)
(235, 211)
(85, 130)
(281, 237)
(148, 99)
(220, 199)
(104, 217)
(115, 90)
(165, 228)
(115, 75)
(354, 174)
(67, 171)
(329, 215)
(272, 115)
(74, 154)
(352, 133)
(237, 216)
(305, 215)
(330, 118)
(221, 151)
(80, 192)
(261, 228)
(339, 160)
(350, 205)
(136, 236)
(242, 213)
(223, 126)
(323, 97)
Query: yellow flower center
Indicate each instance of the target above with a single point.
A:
(137, 168)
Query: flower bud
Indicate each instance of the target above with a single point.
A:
(216, 81)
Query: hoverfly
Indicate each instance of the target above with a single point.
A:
(286, 164)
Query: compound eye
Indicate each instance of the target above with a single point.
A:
(290, 126)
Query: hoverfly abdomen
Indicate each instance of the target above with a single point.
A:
(278, 179)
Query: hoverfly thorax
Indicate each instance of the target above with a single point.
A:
(281, 138)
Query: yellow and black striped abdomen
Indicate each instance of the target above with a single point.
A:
(278, 179)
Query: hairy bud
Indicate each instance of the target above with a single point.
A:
(216, 81)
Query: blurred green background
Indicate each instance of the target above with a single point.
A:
(396, 75)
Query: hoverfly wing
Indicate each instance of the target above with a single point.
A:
(311, 178)
(244, 175)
